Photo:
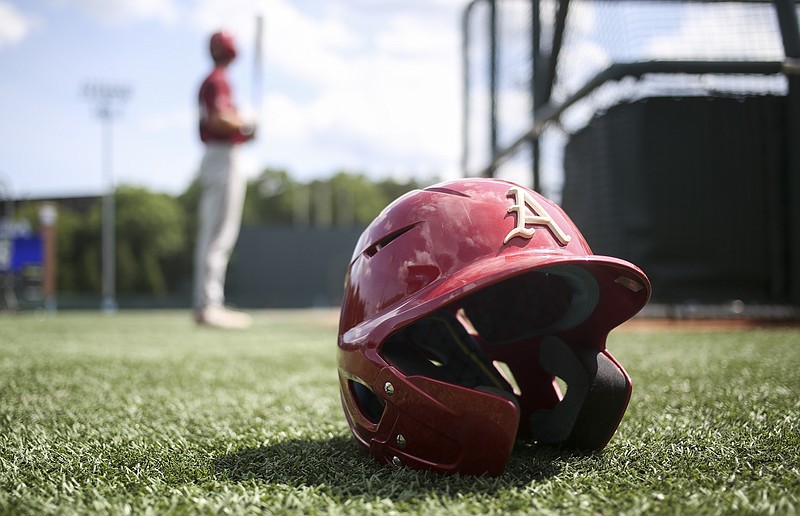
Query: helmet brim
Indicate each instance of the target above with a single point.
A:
(623, 291)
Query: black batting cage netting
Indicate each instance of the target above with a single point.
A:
(668, 131)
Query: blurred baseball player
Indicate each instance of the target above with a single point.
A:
(222, 130)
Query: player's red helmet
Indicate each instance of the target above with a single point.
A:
(463, 303)
(222, 47)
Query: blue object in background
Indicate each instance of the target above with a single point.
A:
(26, 251)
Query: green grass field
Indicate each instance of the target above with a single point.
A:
(141, 412)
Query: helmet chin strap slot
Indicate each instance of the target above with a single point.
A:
(596, 398)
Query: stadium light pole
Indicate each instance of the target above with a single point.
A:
(6, 238)
(107, 98)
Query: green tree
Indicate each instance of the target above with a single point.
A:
(270, 198)
(151, 232)
(151, 243)
(356, 199)
(155, 232)
(392, 189)
(346, 199)
(78, 252)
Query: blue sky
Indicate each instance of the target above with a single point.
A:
(365, 85)
(371, 86)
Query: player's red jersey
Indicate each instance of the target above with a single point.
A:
(215, 97)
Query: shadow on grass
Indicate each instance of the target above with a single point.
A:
(340, 465)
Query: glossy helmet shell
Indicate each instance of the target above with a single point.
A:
(463, 302)
(222, 47)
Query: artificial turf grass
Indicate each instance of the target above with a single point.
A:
(142, 412)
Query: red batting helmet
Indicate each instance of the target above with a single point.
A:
(222, 46)
(463, 304)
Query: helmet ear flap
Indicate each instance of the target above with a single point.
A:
(502, 393)
(598, 391)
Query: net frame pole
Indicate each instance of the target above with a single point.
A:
(537, 79)
(465, 70)
(790, 35)
(552, 112)
(489, 172)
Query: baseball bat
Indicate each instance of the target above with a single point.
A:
(258, 64)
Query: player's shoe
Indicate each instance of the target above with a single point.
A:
(223, 318)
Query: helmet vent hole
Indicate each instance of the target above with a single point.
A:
(506, 373)
(434, 359)
(447, 191)
(562, 386)
(383, 242)
(370, 405)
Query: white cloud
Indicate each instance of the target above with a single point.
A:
(721, 31)
(583, 18)
(381, 98)
(15, 25)
(170, 121)
(117, 12)
(234, 15)
(412, 36)
(344, 91)
(356, 84)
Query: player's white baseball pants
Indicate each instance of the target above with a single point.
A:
(220, 215)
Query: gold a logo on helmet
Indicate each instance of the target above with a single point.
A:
(539, 217)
